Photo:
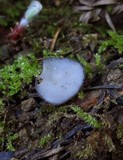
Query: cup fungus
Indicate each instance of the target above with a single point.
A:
(60, 80)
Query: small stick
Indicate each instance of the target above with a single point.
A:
(105, 87)
(55, 39)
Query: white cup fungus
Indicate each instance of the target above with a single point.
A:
(60, 80)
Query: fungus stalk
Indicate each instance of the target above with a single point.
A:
(32, 11)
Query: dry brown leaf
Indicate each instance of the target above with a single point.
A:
(104, 2)
(85, 17)
(117, 9)
(90, 100)
(87, 2)
(109, 21)
(90, 16)
(96, 9)
(83, 8)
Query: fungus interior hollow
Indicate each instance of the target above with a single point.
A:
(61, 79)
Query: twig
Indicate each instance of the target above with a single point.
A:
(105, 87)
(55, 39)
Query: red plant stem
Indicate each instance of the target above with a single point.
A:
(17, 32)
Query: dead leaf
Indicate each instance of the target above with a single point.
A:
(109, 21)
(90, 100)
(104, 2)
(95, 10)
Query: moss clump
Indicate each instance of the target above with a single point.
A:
(87, 66)
(48, 53)
(10, 138)
(115, 41)
(119, 133)
(93, 146)
(14, 77)
(57, 54)
(98, 61)
(86, 153)
(54, 118)
(10, 141)
(45, 140)
(108, 143)
(1, 106)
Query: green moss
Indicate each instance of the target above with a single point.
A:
(86, 28)
(58, 12)
(11, 13)
(1, 122)
(3, 22)
(120, 66)
(14, 77)
(115, 41)
(56, 114)
(36, 44)
(54, 117)
(92, 146)
(1, 127)
(1, 106)
(108, 143)
(10, 141)
(14, 10)
(47, 109)
(86, 117)
(63, 109)
(99, 62)
(48, 53)
(81, 95)
(86, 153)
(95, 66)
(51, 30)
(58, 54)
(45, 140)
(119, 133)
(87, 66)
